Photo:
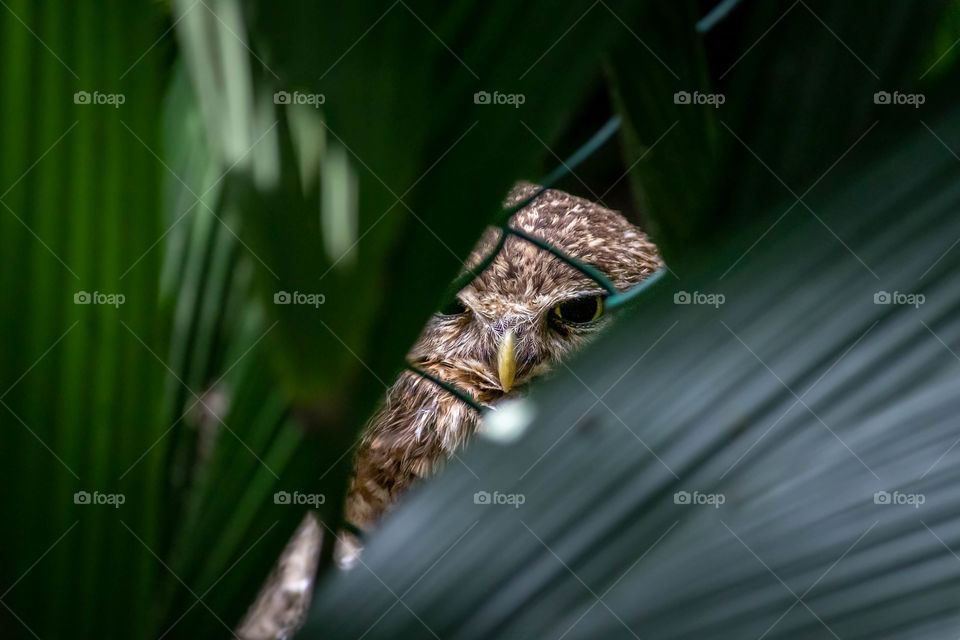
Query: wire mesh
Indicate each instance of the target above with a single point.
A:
(615, 298)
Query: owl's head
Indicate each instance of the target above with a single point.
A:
(529, 309)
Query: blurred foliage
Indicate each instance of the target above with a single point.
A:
(206, 193)
(81, 389)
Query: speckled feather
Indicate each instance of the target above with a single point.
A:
(422, 425)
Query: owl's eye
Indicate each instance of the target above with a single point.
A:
(453, 308)
(579, 310)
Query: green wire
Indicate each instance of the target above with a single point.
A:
(449, 388)
(469, 276)
(717, 14)
(582, 267)
(620, 299)
(595, 142)
(613, 302)
(584, 152)
(616, 298)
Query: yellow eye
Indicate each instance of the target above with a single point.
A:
(579, 310)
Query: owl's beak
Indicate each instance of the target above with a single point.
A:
(507, 360)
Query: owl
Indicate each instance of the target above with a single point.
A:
(515, 321)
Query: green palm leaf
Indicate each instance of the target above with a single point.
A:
(796, 400)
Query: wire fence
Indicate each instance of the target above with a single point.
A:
(615, 298)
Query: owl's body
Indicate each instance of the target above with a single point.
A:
(509, 328)
(422, 425)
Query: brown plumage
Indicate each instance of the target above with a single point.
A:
(506, 333)
(422, 425)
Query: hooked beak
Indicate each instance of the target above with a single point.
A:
(507, 360)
